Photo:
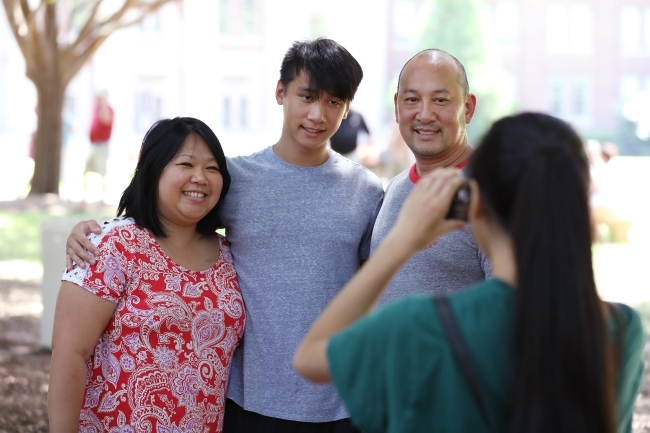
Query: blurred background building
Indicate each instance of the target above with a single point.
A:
(586, 61)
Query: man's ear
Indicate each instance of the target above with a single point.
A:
(395, 106)
(279, 93)
(470, 108)
(347, 110)
(476, 211)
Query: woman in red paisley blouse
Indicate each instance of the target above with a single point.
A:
(143, 339)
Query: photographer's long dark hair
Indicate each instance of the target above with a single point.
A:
(534, 177)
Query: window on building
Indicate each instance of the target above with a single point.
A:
(152, 23)
(237, 115)
(226, 16)
(557, 28)
(646, 28)
(570, 98)
(225, 114)
(509, 88)
(579, 97)
(240, 20)
(506, 23)
(569, 29)
(630, 86)
(243, 113)
(631, 30)
(148, 102)
(405, 34)
(408, 21)
(581, 29)
(555, 96)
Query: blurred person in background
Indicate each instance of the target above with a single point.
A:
(433, 106)
(547, 353)
(397, 157)
(101, 128)
(609, 224)
(344, 140)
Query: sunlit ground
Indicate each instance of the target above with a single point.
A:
(621, 272)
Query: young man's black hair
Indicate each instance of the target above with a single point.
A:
(329, 66)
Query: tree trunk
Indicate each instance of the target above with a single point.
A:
(47, 142)
(46, 74)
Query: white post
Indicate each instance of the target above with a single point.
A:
(54, 233)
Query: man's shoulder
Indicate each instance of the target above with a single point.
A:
(250, 164)
(350, 170)
(399, 186)
(248, 159)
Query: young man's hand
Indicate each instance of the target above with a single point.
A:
(78, 248)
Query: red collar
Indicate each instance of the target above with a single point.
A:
(413, 174)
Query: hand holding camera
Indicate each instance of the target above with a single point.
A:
(425, 215)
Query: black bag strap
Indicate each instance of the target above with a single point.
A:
(462, 358)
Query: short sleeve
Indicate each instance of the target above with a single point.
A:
(364, 248)
(107, 278)
(357, 368)
(485, 264)
(631, 370)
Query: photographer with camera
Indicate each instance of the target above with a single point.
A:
(532, 349)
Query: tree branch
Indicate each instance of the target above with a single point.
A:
(89, 27)
(24, 7)
(75, 63)
(11, 7)
(110, 25)
(144, 11)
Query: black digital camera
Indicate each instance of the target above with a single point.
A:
(459, 208)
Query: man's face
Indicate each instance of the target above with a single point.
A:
(430, 108)
(310, 119)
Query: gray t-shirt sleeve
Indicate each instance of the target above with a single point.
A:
(485, 264)
(364, 248)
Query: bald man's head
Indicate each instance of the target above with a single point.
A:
(435, 55)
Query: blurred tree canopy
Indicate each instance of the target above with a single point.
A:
(458, 28)
(56, 38)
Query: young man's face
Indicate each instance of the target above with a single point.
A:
(310, 119)
(430, 108)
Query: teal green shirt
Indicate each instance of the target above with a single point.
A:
(396, 373)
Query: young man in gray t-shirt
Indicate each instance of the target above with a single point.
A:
(299, 219)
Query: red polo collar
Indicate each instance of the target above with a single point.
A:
(413, 174)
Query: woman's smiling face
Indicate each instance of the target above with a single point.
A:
(190, 185)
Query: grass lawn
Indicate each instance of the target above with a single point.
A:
(20, 233)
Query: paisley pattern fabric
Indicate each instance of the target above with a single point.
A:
(162, 364)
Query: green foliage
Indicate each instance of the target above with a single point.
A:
(20, 236)
(627, 140)
(20, 233)
(457, 27)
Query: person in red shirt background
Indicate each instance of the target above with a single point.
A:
(100, 135)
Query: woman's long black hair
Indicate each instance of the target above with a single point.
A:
(160, 145)
(533, 176)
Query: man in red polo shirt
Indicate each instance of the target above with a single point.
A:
(433, 106)
(100, 134)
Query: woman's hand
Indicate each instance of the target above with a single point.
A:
(421, 220)
(78, 248)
